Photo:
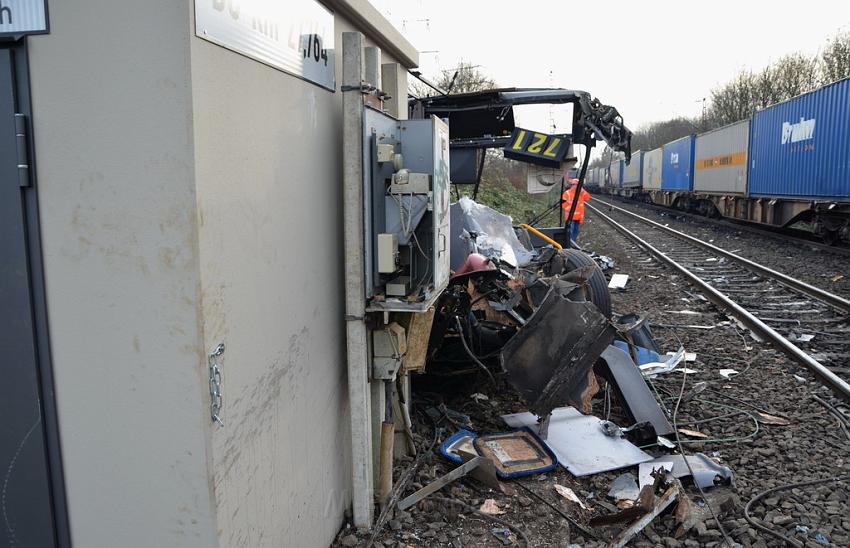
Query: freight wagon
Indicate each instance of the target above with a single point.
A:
(789, 163)
(633, 171)
(614, 176)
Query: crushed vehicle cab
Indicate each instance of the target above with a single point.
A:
(520, 298)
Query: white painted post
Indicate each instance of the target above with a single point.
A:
(394, 78)
(355, 285)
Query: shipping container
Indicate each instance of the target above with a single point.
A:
(652, 169)
(801, 148)
(677, 172)
(615, 173)
(601, 177)
(720, 165)
(633, 171)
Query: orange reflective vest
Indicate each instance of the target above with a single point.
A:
(568, 203)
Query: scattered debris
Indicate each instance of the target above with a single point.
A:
(640, 354)
(439, 483)
(568, 494)
(624, 487)
(604, 262)
(727, 373)
(458, 442)
(652, 369)
(647, 470)
(579, 443)
(721, 501)
(516, 454)
(799, 379)
(660, 504)
(644, 504)
(664, 442)
(505, 535)
(618, 281)
(476, 228)
(631, 389)
(767, 418)
(705, 470)
(491, 508)
(803, 337)
(550, 359)
(693, 433)
(837, 277)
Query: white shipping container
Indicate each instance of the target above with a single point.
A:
(720, 165)
(615, 173)
(652, 169)
(632, 170)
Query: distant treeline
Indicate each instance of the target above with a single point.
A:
(736, 100)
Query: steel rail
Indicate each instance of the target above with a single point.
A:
(830, 379)
(752, 227)
(825, 297)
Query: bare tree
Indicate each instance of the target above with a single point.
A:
(650, 136)
(794, 74)
(749, 91)
(788, 77)
(465, 78)
(835, 59)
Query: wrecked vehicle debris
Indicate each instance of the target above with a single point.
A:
(580, 444)
(705, 470)
(550, 360)
(516, 454)
(439, 483)
(544, 324)
(631, 389)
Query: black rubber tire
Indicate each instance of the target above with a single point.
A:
(597, 284)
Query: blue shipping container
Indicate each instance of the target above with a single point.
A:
(677, 168)
(801, 148)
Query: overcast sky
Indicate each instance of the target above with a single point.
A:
(653, 60)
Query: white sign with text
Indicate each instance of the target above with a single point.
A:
(296, 36)
(18, 17)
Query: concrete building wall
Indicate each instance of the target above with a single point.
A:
(268, 157)
(190, 196)
(114, 159)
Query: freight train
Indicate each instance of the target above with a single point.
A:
(788, 163)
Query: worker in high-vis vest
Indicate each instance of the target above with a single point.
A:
(578, 215)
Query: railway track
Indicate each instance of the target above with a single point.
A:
(810, 325)
(787, 235)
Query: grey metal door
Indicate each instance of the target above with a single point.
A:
(32, 511)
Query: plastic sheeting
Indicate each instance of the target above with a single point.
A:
(477, 228)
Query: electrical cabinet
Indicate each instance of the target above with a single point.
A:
(406, 211)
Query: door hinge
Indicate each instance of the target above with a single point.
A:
(216, 399)
(22, 140)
